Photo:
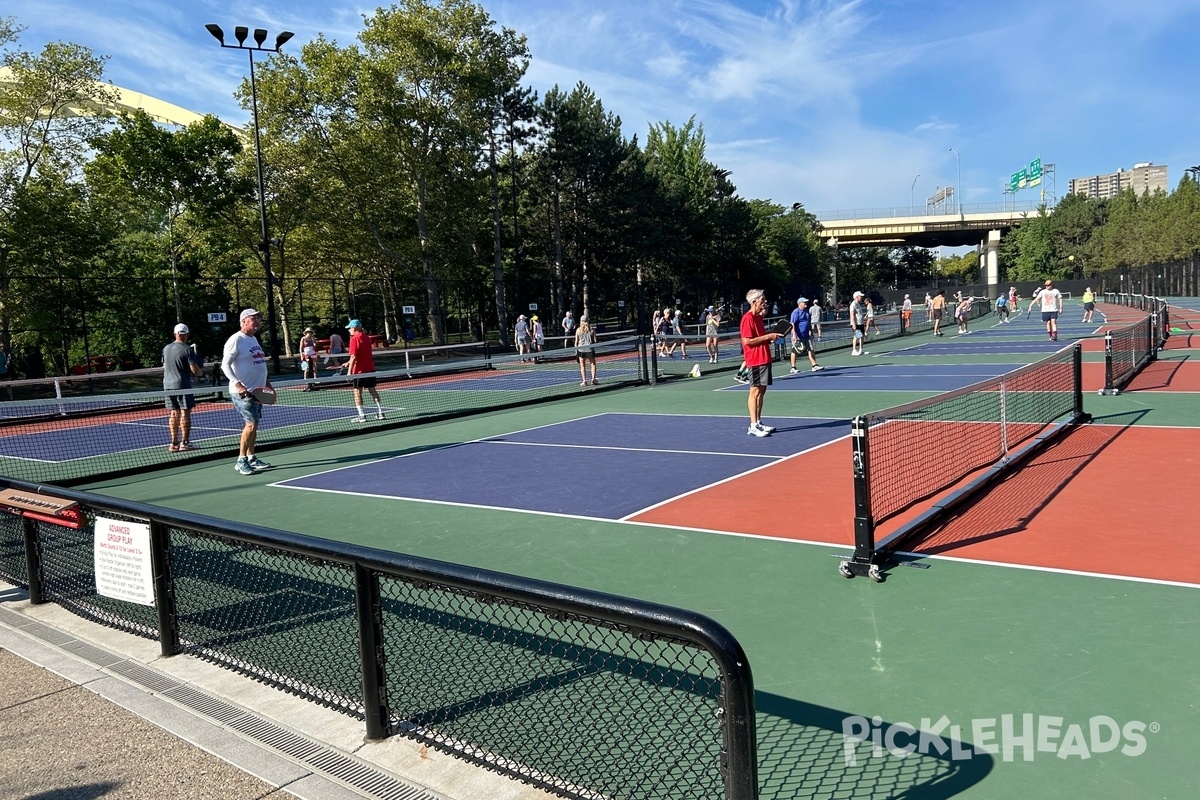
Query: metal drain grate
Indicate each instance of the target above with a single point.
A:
(345, 769)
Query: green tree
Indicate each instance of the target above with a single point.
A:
(48, 113)
(402, 122)
(167, 179)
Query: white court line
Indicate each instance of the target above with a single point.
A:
(653, 506)
(630, 449)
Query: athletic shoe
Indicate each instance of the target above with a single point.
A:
(757, 431)
(172, 448)
(741, 379)
(583, 383)
(793, 371)
(855, 353)
(380, 416)
(243, 467)
(817, 368)
(762, 427)
(360, 419)
(864, 353)
(257, 463)
(595, 382)
(186, 447)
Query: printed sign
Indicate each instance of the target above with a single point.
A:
(121, 551)
(216, 316)
(409, 310)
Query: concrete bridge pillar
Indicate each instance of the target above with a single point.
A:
(990, 262)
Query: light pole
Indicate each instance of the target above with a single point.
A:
(958, 189)
(833, 242)
(264, 245)
(911, 189)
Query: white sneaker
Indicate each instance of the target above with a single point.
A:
(360, 419)
(757, 431)
(380, 416)
(763, 427)
(817, 368)
(863, 353)
(793, 371)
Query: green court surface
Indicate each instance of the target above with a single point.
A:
(1094, 677)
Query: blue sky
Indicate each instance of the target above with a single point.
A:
(838, 105)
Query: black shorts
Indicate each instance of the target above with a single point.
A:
(363, 383)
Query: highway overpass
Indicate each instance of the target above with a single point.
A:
(979, 225)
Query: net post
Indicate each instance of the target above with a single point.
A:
(1153, 333)
(1077, 380)
(642, 359)
(864, 521)
(653, 364)
(1109, 386)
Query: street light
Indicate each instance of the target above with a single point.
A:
(264, 245)
(833, 242)
(911, 189)
(959, 189)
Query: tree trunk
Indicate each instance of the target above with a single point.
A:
(432, 297)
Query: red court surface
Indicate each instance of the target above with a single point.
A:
(1119, 506)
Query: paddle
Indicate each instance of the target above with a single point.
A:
(264, 394)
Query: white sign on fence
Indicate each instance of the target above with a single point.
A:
(409, 310)
(121, 551)
(533, 306)
(216, 316)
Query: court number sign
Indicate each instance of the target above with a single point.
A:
(216, 316)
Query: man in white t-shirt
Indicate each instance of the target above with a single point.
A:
(1051, 302)
(245, 364)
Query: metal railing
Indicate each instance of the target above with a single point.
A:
(581, 693)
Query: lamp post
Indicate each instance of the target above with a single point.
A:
(911, 189)
(833, 242)
(958, 189)
(264, 245)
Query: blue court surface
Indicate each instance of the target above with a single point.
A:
(878, 377)
(645, 460)
(135, 430)
(968, 346)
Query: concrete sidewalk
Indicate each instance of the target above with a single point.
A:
(89, 712)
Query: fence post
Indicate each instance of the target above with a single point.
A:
(33, 561)
(164, 589)
(367, 610)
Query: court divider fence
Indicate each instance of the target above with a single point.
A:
(584, 694)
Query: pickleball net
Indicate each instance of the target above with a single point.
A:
(70, 438)
(941, 451)
(1127, 350)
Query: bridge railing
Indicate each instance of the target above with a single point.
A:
(924, 211)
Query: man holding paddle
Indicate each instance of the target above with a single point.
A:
(245, 364)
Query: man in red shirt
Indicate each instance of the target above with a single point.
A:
(362, 362)
(756, 348)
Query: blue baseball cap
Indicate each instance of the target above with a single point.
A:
(353, 324)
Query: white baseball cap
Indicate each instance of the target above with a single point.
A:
(249, 312)
(181, 328)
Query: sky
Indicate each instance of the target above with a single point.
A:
(839, 105)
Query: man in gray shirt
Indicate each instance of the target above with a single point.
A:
(179, 365)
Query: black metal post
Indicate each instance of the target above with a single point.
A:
(264, 244)
(371, 656)
(33, 562)
(164, 588)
